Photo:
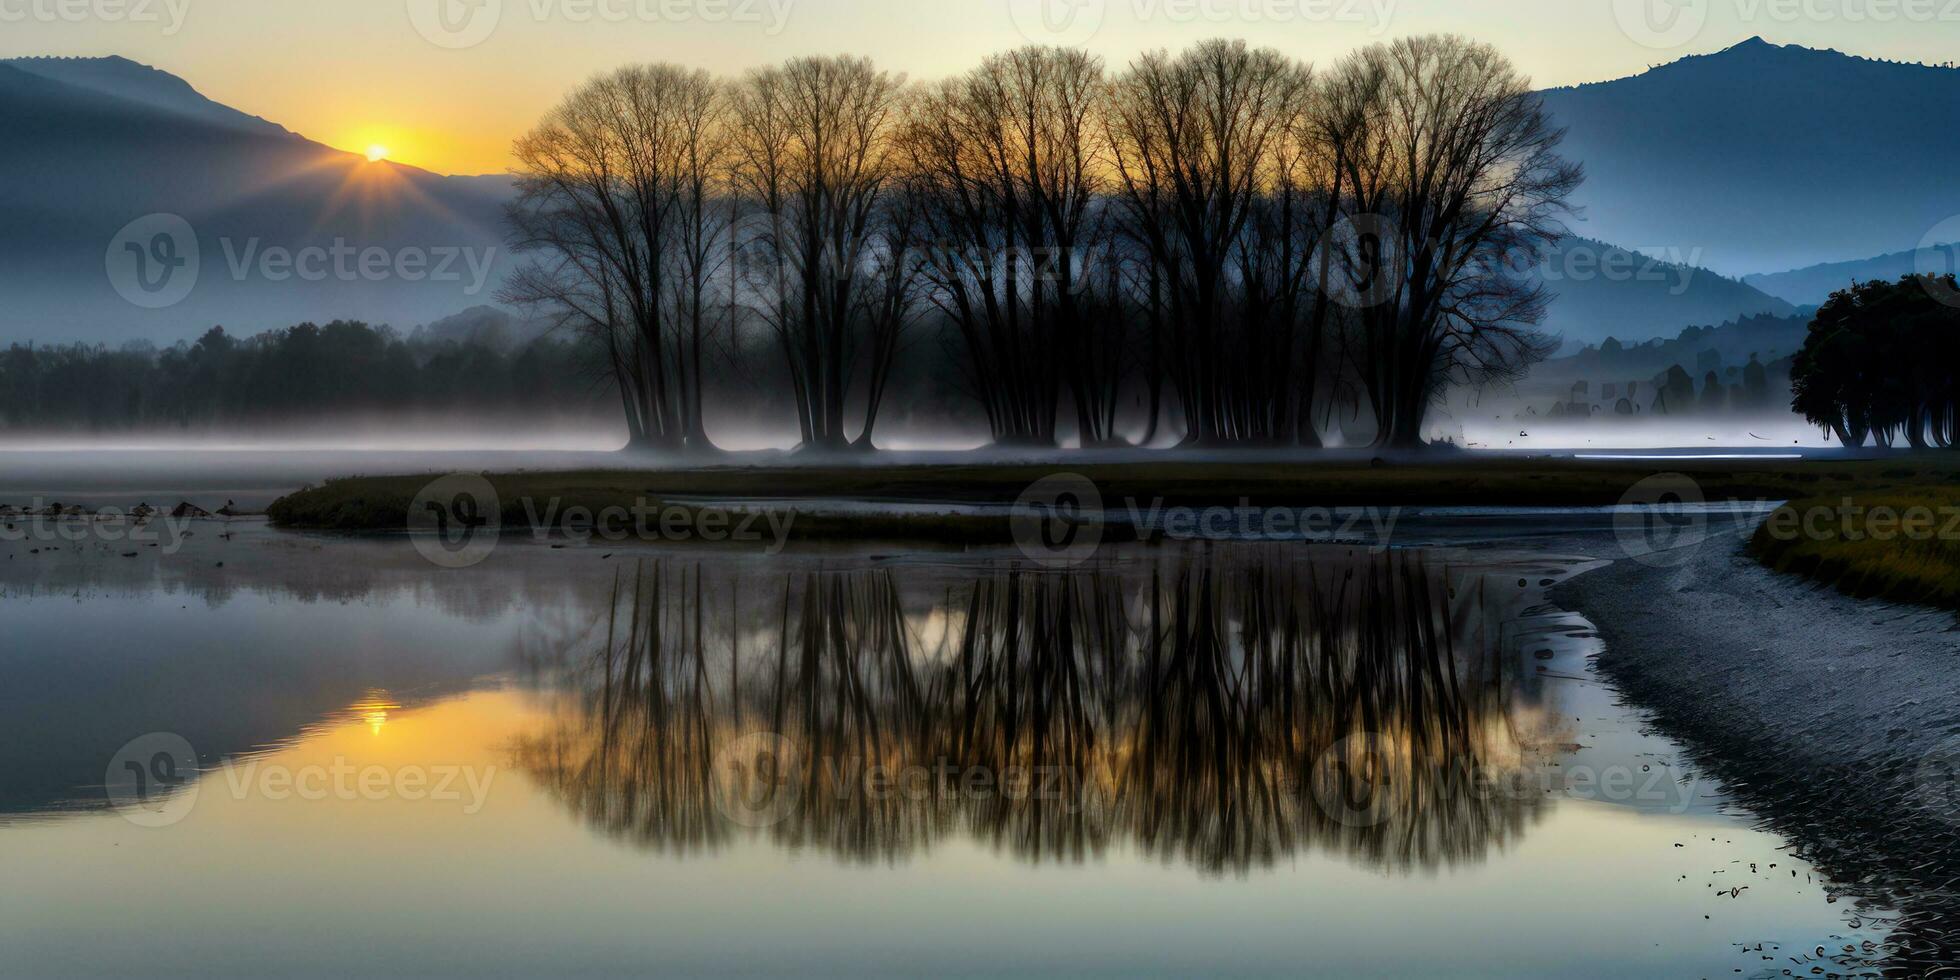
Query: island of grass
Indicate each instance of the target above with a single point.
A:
(942, 497)
(1895, 542)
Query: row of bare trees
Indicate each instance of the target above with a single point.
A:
(1221, 245)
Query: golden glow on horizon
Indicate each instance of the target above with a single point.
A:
(332, 69)
(387, 142)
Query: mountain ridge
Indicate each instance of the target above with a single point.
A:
(119, 77)
(1814, 284)
(1765, 156)
(92, 146)
(81, 126)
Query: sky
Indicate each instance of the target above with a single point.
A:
(447, 84)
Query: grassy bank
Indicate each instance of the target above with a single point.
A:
(1900, 543)
(533, 500)
(381, 502)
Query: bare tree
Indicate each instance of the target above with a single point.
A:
(815, 158)
(1450, 173)
(1215, 224)
(1007, 163)
(615, 188)
(1197, 142)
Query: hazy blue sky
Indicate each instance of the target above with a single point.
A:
(447, 83)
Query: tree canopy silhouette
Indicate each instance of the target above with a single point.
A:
(1218, 242)
(1879, 363)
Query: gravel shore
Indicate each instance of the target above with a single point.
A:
(1837, 720)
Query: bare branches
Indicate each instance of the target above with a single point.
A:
(1214, 178)
(1454, 175)
(815, 159)
(1006, 164)
(615, 188)
(1221, 230)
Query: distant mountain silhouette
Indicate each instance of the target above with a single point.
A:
(1766, 156)
(1606, 291)
(120, 78)
(1814, 284)
(88, 146)
(1734, 160)
(490, 326)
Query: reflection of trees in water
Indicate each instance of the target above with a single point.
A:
(1223, 709)
(636, 759)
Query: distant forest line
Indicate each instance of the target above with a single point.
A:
(303, 374)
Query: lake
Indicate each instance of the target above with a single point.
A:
(273, 754)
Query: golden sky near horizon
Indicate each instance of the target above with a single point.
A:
(447, 84)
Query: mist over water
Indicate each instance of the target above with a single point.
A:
(1752, 433)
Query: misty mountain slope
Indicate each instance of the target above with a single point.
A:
(89, 145)
(1766, 156)
(120, 78)
(1605, 291)
(82, 161)
(1814, 284)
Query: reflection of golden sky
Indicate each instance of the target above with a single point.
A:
(354, 72)
(525, 881)
(373, 710)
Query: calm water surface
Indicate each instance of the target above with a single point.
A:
(271, 754)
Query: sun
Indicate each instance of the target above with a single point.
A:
(376, 153)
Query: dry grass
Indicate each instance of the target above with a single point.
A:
(1901, 544)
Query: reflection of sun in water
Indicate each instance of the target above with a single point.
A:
(376, 153)
(373, 710)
